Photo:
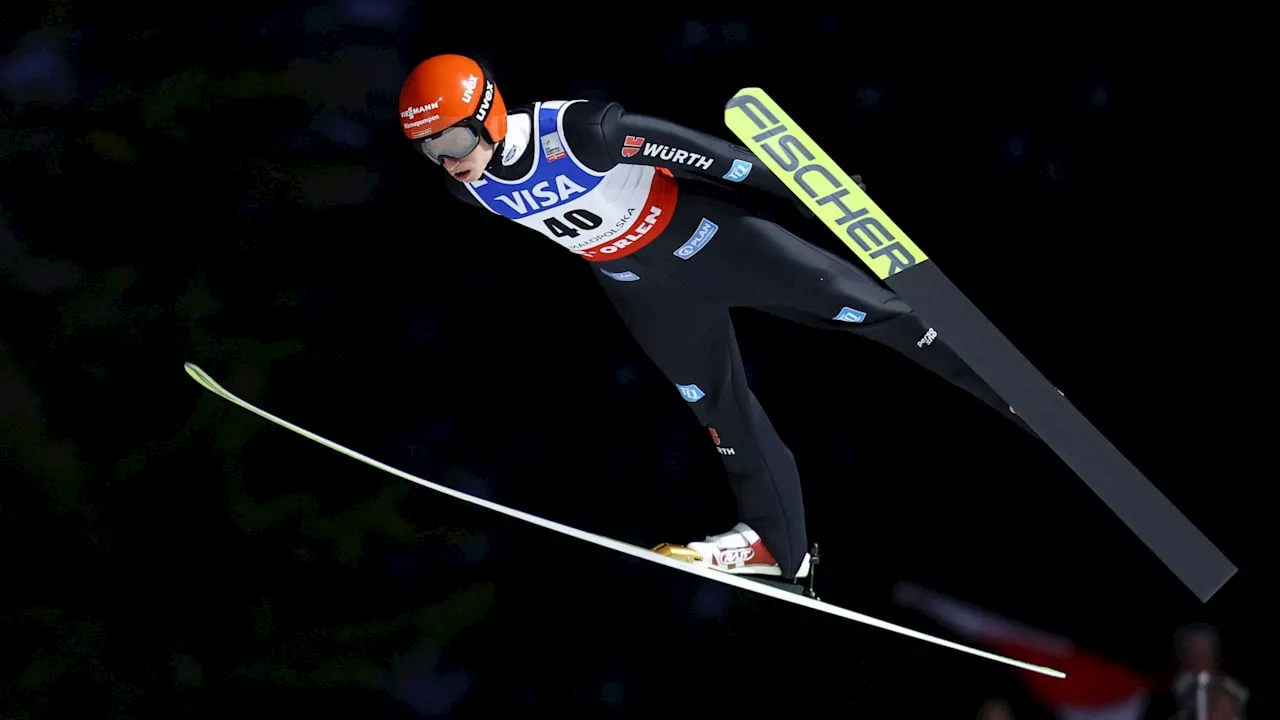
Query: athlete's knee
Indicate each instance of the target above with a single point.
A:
(864, 294)
(705, 400)
(725, 422)
(892, 321)
(858, 313)
(691, 392)
(713, 404)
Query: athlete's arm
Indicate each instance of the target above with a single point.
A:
(603, 134)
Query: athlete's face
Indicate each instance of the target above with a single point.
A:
(471, 167)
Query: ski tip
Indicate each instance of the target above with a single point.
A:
(746, 92)
(202, 377)
(1045, 670)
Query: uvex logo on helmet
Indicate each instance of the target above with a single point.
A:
(469, 87)
(486, 101)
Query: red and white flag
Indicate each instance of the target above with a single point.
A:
(1095, 688)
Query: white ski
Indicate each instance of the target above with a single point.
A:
(210, 384)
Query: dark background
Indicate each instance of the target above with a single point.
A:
(229, 186)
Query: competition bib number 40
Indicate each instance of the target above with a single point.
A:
(579, 220)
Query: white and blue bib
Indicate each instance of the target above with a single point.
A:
(601, 216)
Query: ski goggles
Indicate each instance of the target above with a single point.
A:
(456, 142)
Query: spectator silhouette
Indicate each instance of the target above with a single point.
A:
(1201, 691)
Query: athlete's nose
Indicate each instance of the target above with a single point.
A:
(450, 164)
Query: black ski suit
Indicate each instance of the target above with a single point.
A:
(674, 287)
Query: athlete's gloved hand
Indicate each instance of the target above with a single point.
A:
(804, 209)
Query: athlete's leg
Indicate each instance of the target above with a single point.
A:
(807, 284)
(692, 342)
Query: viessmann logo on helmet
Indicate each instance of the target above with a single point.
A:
(415, 110)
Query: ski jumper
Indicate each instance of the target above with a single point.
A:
(656, 208)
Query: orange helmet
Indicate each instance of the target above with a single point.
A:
(448, 103)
